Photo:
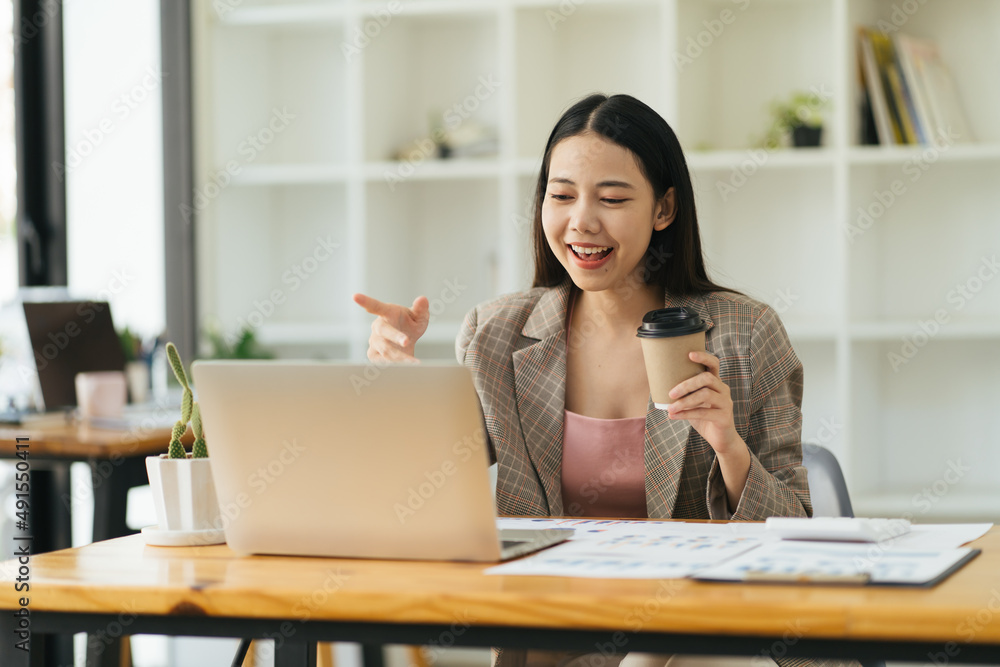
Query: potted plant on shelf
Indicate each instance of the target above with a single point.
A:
(241, 345)
(187, 509)
(136, 366)
(800, 117)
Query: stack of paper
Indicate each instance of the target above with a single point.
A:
(740, 552)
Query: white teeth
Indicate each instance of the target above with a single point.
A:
(580, 250)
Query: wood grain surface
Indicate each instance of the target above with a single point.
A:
(125, 575)
(81, 441)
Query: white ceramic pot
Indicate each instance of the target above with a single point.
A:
(184, 494)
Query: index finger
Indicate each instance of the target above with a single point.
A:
(374, 306)
(706, 359)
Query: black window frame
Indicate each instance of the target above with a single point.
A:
(41, 148)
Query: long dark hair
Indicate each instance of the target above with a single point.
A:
(674, 259)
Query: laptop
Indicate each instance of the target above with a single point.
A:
(70, 337)
(354, 461)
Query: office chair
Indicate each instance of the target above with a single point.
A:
(827, 487)
(828, 491)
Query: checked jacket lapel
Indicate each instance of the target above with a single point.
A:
(540, 385)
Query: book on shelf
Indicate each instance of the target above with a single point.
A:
(872, 82)
(908, 54)
(910, 90)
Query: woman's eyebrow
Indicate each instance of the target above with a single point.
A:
(602, 184)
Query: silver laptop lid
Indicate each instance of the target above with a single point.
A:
(329, 459)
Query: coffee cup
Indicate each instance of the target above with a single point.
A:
(100, 394)
(667, 336)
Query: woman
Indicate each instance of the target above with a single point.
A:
(560, 371)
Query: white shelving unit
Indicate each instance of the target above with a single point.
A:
(852, 290)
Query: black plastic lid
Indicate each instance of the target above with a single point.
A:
(670, 322)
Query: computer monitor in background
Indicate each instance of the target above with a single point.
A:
(70, 337)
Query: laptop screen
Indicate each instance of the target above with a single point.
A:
(70, 337)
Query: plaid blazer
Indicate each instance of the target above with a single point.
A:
(516, 348)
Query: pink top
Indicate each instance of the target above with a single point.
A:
(603, 471)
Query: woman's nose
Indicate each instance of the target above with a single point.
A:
(583, 217)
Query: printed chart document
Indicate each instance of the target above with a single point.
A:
(631, 555)
(740, 551)
(824, 562)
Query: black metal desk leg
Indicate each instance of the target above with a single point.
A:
(50, 510)
(112, 480)
(51, 528)
(372, 655)
(104, 651)
(294, 653)
(10, 655)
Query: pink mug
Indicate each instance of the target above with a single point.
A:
(101, 394)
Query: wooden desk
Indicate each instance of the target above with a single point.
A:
(124, 587)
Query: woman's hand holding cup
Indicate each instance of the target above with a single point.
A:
(396, 329)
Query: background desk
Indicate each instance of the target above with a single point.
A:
(124, 587)
(117, 463)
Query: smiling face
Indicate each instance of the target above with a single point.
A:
(599, 211)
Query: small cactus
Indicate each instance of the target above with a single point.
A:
(176, 449)
(200, 449)
(186, 402)
(175, 363)
(189, 412)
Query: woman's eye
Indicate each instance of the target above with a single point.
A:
(561, 197)
(614, 201)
